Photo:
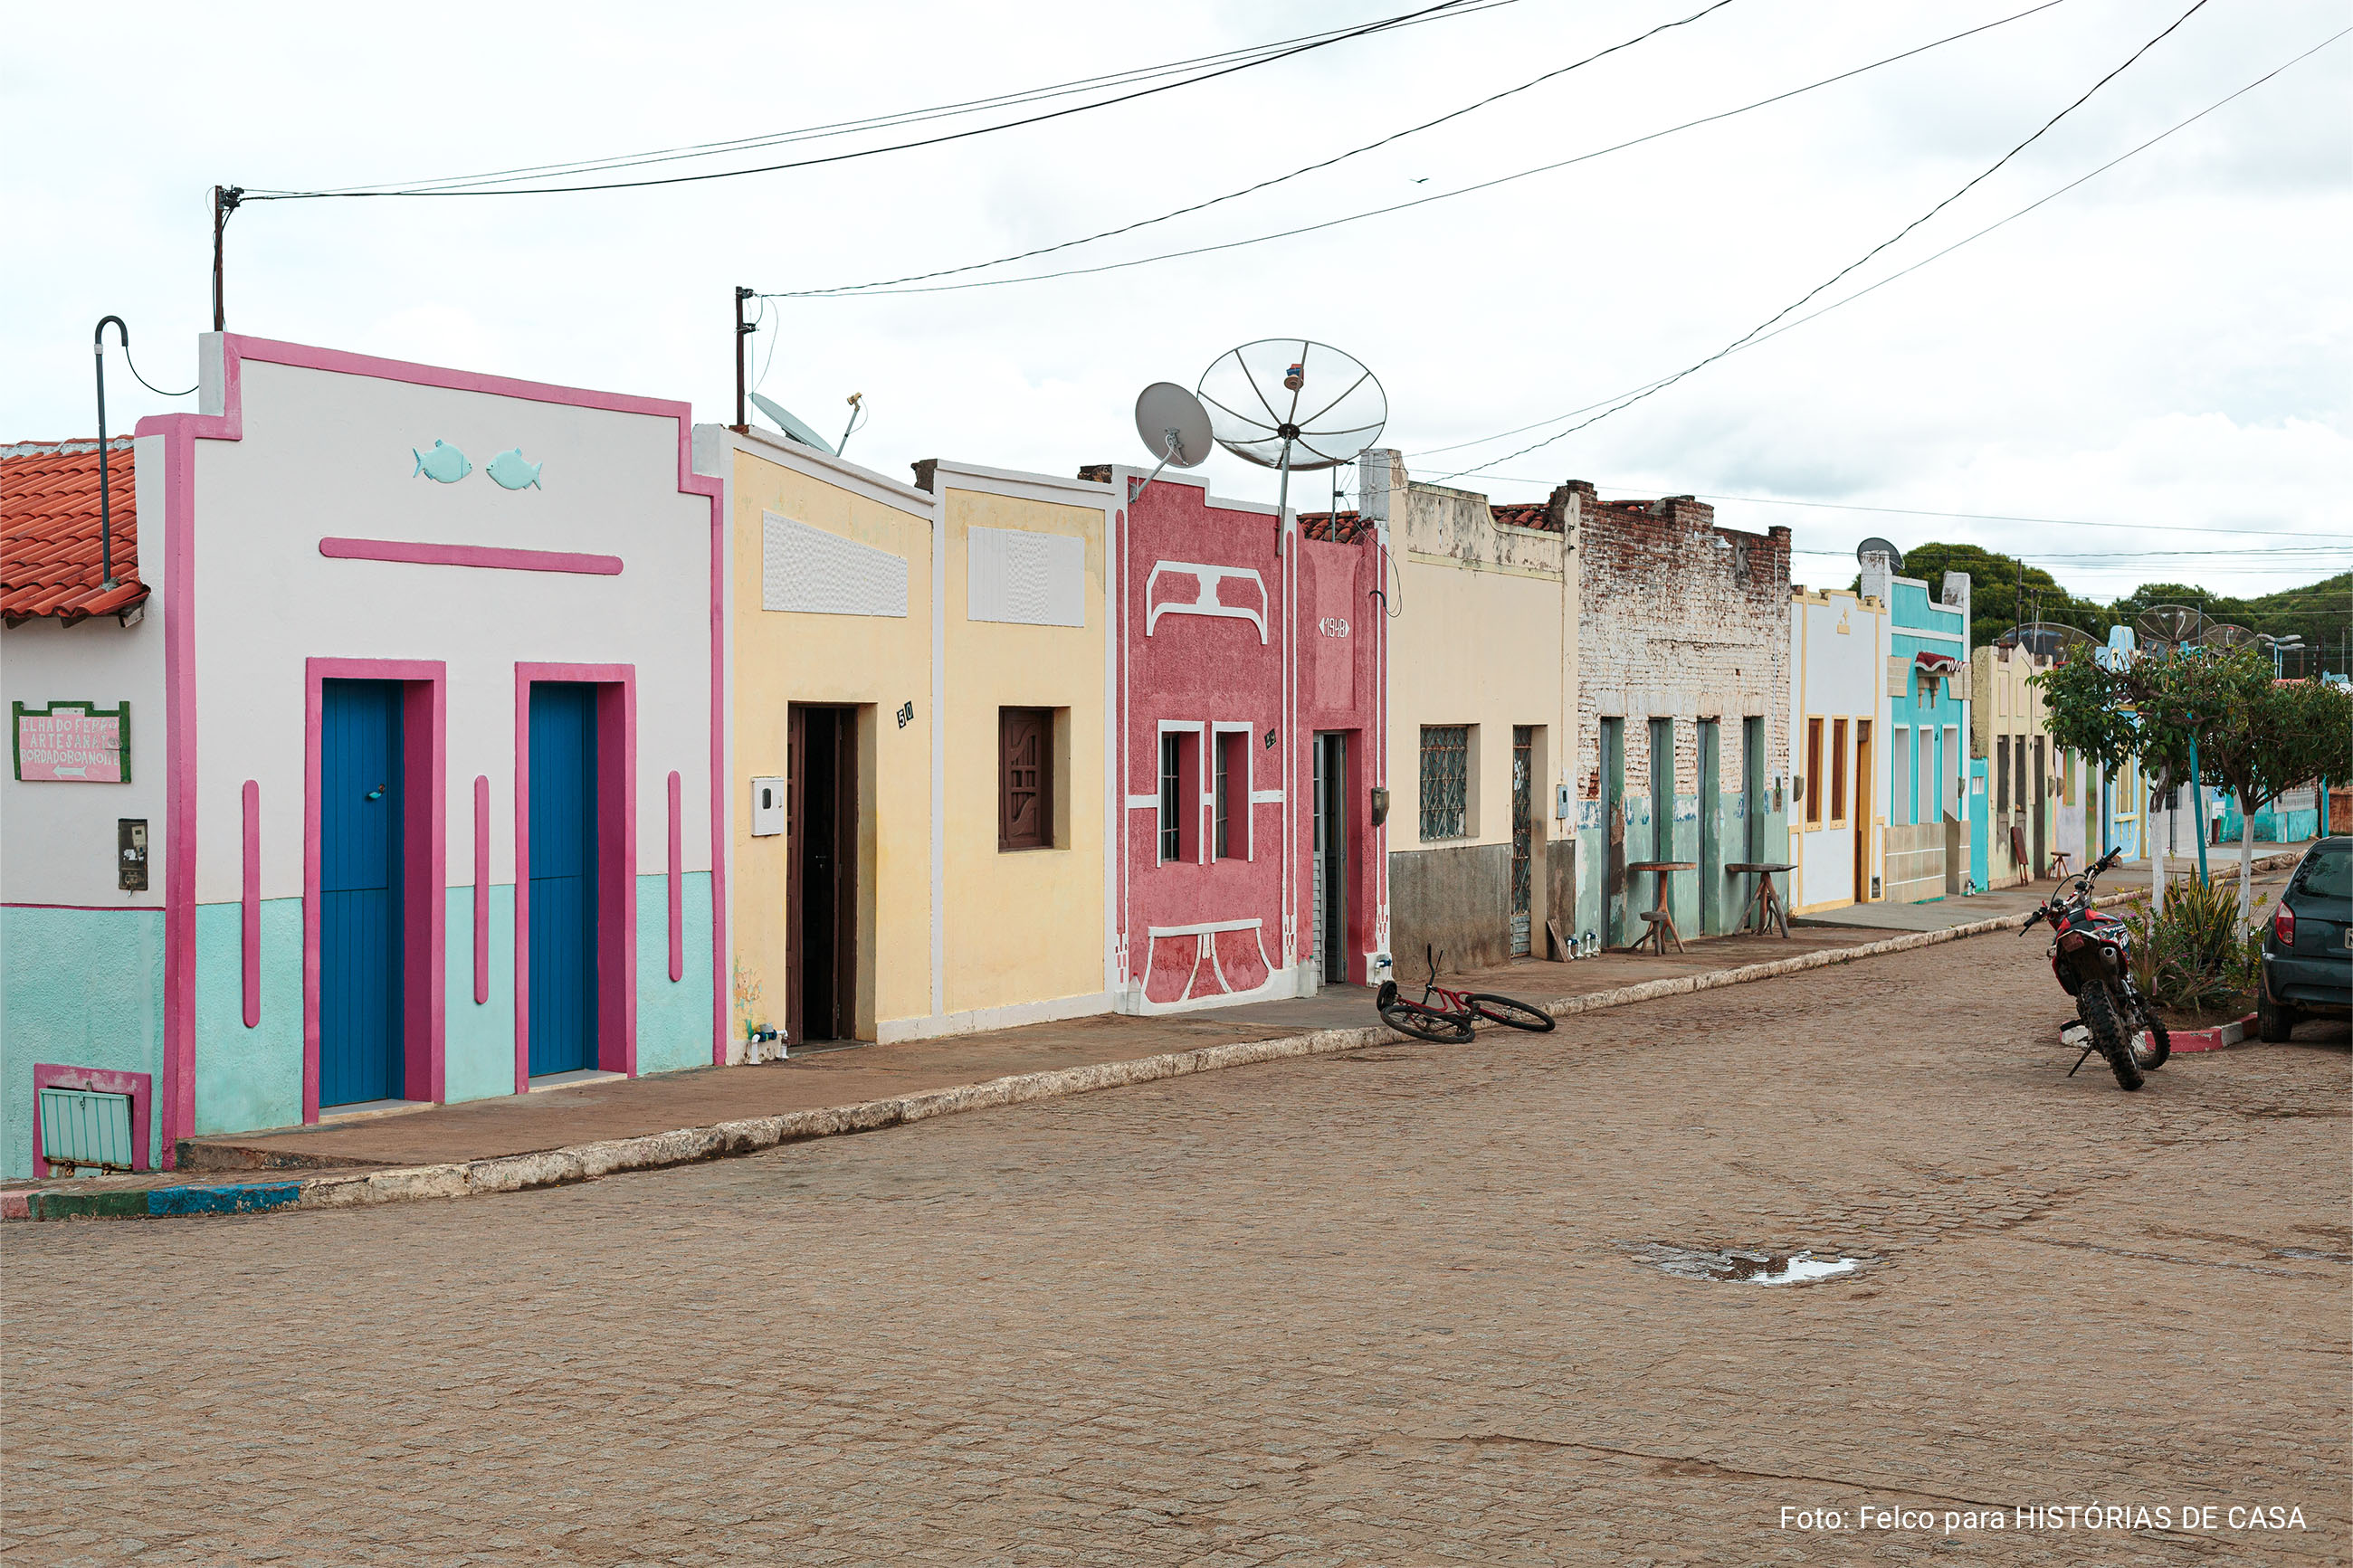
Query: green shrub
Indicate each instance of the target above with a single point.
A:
(2194, 956)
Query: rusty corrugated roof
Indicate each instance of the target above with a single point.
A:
(49, 554)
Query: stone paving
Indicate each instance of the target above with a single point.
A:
(1377, 1308)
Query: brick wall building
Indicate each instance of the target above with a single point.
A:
(1682, 696)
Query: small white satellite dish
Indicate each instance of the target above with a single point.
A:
(1286, 404)
(783, 419)
(1174, 426)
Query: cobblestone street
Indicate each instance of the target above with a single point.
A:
(1379, 1308)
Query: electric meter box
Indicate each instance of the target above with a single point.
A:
(767, 807)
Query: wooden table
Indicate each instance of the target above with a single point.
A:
(1764, 900)
(1660, 926)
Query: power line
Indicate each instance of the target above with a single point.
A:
(2142, 556)
(1370, 27)
(877, 291)
(2196, 6)
(1851, 299)
(880, 121)
(1266, 183)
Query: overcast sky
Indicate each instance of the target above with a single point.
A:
(2165, 345)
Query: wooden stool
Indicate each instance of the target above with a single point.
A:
(1660, 928)
(2060, 865)
(1764, 907)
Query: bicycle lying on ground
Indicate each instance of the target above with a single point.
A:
(1450, 1021)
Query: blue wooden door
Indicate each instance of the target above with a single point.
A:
(562, 876)
(360, 907)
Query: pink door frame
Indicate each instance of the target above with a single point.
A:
(616, 868)
(139, 1086)
(425, 713)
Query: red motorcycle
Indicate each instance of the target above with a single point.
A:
(2092, 955)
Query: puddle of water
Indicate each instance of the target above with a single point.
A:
(1745, 1266)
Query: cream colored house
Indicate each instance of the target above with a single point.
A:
(918, 680)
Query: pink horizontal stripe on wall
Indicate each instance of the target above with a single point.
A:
(482, 888)
(250, 927)
(420, 555)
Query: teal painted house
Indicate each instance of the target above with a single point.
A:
(1927, 833)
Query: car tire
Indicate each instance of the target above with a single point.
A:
(2273, 1022)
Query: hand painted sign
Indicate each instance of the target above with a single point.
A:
(71, 743)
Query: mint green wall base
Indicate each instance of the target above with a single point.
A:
(248, 1079)
(673, 1016)
(477, 1041)
(81, 988)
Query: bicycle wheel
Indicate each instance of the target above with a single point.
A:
(1427, 1023)
(1510, 1010)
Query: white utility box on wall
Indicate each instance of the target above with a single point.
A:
(767, 807)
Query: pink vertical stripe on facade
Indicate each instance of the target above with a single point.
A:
(481, 888)
(677, 883)
(249, 925)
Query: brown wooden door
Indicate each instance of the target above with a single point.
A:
(1864, 804)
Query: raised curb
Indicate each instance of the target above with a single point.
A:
(2220, 1037)
(587, 1162)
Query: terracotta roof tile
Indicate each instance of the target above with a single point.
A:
(1335, 527)
(49, 554)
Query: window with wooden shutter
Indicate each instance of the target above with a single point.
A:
(1025, 791)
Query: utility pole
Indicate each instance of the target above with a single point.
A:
(105, 495)
(224, 202)
(743, 330)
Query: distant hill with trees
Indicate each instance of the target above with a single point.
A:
(2005, 591)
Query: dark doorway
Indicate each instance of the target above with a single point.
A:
(1613, 828)
(2041, 799)
(1524, 826)
(1331, 932)
(1711, 831)
(821, 893)
(1752, 787)
(563, 882)
(362, 912)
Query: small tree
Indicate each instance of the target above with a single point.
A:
(2254, 735)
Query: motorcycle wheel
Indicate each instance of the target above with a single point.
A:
(2150, 1043)
(1427, 1023)
(2099, 1010)
(1507, 1010)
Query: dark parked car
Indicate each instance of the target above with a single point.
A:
(2308, 946)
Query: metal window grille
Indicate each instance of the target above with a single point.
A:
(1171, 842)
(1445, 780)
(1225, 797)
(82, 1127)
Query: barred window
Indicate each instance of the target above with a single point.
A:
(1445, 781)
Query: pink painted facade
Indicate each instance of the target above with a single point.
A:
(1247, 675)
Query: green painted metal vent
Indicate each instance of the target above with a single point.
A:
(80, 1127)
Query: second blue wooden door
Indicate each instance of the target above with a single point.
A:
(361, 949)
(562, 876)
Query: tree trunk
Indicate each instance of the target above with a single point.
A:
(2246, 862)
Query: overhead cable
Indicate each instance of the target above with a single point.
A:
(418, 192)
(1936, 256)
(1756, 332)
(1275, 180)
(877, 291)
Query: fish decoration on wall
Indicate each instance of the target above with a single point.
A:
(511, 472)
(444, 463)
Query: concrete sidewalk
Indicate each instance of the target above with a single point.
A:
(578, 1133)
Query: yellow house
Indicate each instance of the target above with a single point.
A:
(917, 678)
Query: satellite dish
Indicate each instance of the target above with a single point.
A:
(2170, 625)
(1894, 556)
(2224, 635)
(1172, 425)
(2044, 639)
(784, 420)
(1289, 404)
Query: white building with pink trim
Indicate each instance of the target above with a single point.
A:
(422, 728)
